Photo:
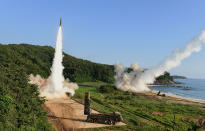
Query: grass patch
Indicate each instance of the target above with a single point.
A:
(137, 109)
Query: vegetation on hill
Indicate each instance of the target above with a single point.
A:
(143, 112)
(165, 79)
(38, 60)
(20, 105)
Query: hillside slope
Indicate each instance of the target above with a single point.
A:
(20, 104)
(38, 60)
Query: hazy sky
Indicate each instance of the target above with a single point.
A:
(110, 31)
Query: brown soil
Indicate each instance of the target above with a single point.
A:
(66, 115)
(157, 113)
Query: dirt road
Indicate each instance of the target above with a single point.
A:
(67, 114)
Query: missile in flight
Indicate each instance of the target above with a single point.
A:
(60, 22)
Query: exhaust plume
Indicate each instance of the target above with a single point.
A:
(57, 87)
(137, 80)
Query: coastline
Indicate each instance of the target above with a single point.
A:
(175, 98)
(170, 90)
(167, 84)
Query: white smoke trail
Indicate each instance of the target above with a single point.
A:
(137, 81)
(57, 87)
(57, 68)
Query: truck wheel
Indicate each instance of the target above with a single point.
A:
(113, 123)
(94, 120)
(109, 122)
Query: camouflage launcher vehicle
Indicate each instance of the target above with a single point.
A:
(109, 118)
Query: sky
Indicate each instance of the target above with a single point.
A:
(110, 31)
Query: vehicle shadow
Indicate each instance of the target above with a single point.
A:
(73, 119)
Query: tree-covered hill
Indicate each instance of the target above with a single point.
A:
(20, 104)
(38, 60)
(165, 79)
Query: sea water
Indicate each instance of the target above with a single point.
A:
(195, 89)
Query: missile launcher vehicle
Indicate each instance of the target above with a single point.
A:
(108, 118)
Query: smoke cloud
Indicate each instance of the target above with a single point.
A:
(43, 85)
(137, 80)
(55, 86)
